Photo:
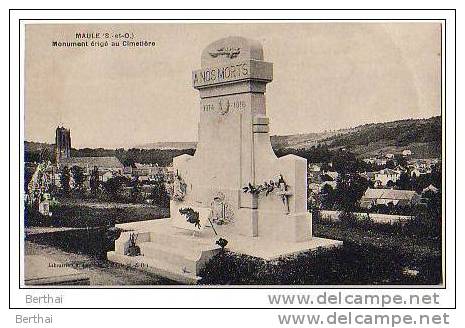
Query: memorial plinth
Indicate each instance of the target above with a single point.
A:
(234, 186)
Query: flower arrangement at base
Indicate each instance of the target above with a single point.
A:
(191, 216)
(133, 249)
(222, 243)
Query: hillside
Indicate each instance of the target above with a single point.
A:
(168, 145)
(31, 146)
(421, 136)
(295, 141)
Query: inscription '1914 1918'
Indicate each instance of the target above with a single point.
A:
(221, 74)
(224, 106)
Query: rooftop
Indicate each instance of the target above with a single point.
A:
(389, 194)
(108, 161)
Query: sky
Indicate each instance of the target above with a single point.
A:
(327, 76)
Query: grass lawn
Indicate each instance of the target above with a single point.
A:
(368, 257)
(73, 213)
(373, 256)
(398, 241)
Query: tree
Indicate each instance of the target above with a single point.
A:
(325, 177)
(64, 179)
(135, 189)
(390, 164)
(160, 194)
(428, 220)
(114, 185)
(78, 176)
(325, 167)
(94, 181)
(436, 176)
(401, 160)
(349, 190)
(327, 197)
(345, 162)
(404, 182)
(390, 184)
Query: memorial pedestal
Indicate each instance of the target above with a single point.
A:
(179, 255)
(234, 179)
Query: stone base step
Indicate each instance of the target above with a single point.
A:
(186, 258)
(182, 239)
(155, 266)
(177, 254)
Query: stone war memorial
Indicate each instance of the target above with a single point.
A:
(234, 189)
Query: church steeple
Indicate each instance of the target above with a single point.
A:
(62, 143)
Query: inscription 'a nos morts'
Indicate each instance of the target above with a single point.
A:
(221, 74)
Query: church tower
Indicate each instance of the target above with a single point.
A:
(62, 143)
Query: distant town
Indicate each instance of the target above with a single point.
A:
(386, 187)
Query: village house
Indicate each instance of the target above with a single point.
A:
(108, 163)
(400, 169)
(423, 164)
(105, 176)
(384, 176)
(381, 161)
(318, 178)
(370, 160)
(127, 171)
(149, 172)
(387, 197)
(146, 190)
(332, 174)
(370, 176)
(314, 167)
(378, 160)
(314, 187)
(390, 156)
(332, 184)
(406, 152)
(430, 188)
(416, 172)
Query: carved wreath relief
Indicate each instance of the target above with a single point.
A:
(224, 106)
(222, 211)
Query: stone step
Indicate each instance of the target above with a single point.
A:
(190, 251)
(184, 258)
(163, 245)
(182, 240)
(155, 266)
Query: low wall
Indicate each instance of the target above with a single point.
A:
(376, 217)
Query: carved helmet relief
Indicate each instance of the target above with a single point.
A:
(231, 48)
(229, 52)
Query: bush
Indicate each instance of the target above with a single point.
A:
(95, 242)
(348, 219)
(352, 263)
(423, 225)
(32, 217)
(160, 194)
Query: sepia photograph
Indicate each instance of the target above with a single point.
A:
(233, 153)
